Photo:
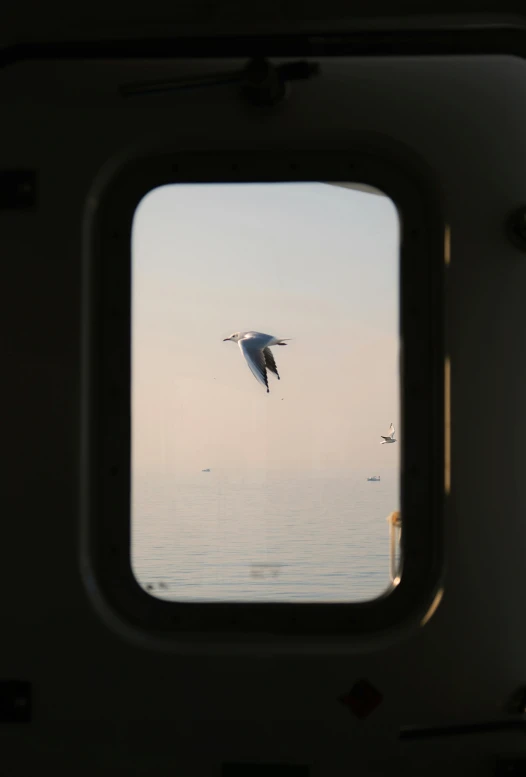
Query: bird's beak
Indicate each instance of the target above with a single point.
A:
(226, 338)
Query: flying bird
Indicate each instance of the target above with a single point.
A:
(255, 347)
(390, 438)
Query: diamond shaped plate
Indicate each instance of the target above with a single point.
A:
(362, 699)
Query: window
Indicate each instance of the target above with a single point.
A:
(284, 535)
(244, 494)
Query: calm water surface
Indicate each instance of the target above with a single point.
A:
(218, 537)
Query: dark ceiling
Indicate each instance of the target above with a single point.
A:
(37, 21)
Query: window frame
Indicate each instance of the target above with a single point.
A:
(106, 394)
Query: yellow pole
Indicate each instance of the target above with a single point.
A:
(395, 533)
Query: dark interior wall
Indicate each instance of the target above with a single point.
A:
(101, 703)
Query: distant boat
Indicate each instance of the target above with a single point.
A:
(374, 478)
(205, 470)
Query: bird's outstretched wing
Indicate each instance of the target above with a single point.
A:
(253, 354)
(391, 431)
(270, 362)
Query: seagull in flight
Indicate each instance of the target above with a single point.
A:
(255, 347)
(391, 436)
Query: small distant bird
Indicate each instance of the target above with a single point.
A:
(390, 438)
(255, 347)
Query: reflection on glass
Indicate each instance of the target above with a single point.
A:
(244, 494)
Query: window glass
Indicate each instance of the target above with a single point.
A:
(240, 493)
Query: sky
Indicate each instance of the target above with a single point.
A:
(309, 261)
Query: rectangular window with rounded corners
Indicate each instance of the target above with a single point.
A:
(245, 488)
(263, 354)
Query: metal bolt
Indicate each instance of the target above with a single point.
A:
(262, 85)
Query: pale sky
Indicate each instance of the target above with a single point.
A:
(313, 262)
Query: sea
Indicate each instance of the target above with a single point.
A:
(214, 536)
